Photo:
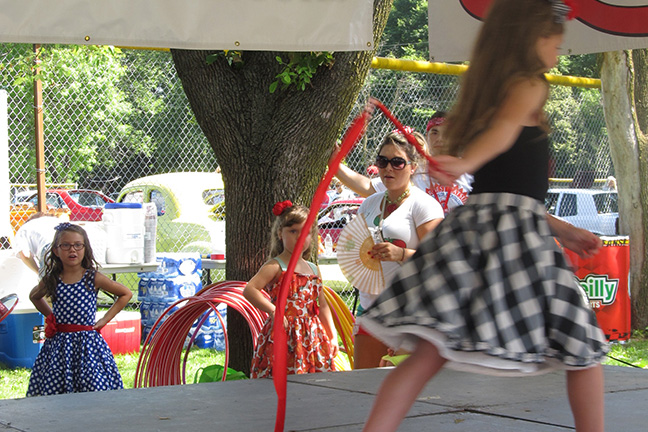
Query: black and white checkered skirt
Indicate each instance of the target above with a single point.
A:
(492, 290)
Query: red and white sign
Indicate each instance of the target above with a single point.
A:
(605, 279)
(600, 26)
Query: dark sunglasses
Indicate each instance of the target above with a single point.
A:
(398, 163)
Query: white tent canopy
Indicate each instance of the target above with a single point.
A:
(281, 25)
(600, 26)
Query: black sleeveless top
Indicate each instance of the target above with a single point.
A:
(522, 170)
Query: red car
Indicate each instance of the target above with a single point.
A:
(335, 216)
(84, 204)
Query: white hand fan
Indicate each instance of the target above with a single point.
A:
(362, 271)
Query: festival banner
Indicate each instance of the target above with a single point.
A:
(600, 26)
(605, 280)
(274, 25)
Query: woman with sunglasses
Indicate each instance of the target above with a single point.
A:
(399, 218)
(434, 144)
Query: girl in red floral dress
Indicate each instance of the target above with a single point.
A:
(312, 339)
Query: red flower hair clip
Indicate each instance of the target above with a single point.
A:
(279, 207)
(408, 129)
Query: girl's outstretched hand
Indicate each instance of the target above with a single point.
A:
(581, 241)
(578, 240)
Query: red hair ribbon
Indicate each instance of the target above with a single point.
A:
(279, 207)
(408, 129)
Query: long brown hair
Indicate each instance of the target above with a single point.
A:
(504, 53)
(54, 266)
(290, 216)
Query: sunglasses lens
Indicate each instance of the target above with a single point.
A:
(381, 162)
(398, 163)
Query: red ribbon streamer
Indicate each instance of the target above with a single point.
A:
(280, 351)
(279, 368)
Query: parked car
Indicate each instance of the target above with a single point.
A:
(332, 219)
(592, 209)
(80, 204)
(84, 204)
(19, 197)
(190, 208)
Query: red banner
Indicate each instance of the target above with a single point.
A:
(605, 280)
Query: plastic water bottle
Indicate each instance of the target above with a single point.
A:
(143, 288)
(145, 311)
(328, 246)
(150, 231)
(217, 329)
(205, 337)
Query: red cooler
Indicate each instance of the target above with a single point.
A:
(123, 333)
(606, 280)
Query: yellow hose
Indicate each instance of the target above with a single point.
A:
(344, 322)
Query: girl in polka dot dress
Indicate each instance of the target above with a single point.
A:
(74, 357)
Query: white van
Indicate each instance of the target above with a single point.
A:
(592, 209)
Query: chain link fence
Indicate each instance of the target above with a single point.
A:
(112, 116)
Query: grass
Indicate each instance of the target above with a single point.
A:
(633, 353)
(14, 382)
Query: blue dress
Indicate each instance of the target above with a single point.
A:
(79, 361)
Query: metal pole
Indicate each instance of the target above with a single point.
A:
(39, 136)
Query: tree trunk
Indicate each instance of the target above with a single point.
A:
(271, 147)
(624, 88)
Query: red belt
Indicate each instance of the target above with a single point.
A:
(51, 327)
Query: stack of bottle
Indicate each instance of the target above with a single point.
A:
(210, 334)
(178, 276)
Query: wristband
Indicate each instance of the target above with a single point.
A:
(403, 257)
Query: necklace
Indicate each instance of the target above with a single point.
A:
(393, 205)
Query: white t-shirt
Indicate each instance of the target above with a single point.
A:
(34, 237)
(448, 196)
(399, 227)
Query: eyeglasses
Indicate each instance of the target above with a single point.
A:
(68, 246)
(398, 163)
